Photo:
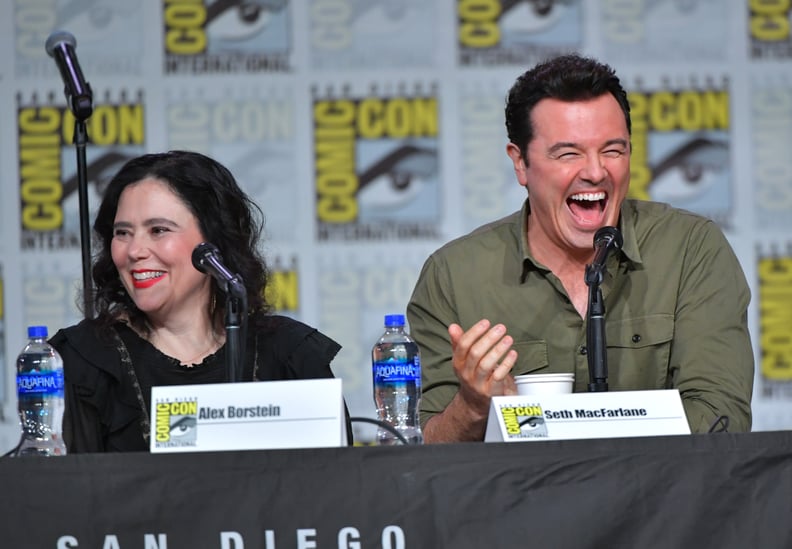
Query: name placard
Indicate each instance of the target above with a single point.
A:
(522, 418)
(259, 415)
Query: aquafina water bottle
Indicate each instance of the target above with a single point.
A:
(396, 364)
(40, 396)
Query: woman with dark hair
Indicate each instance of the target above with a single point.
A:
(159, 321)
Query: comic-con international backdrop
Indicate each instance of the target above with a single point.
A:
(371, 132)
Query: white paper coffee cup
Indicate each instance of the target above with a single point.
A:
(544, 384)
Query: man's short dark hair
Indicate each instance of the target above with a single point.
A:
(567, 78)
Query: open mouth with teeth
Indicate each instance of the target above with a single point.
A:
(588, 207)
(144, 279)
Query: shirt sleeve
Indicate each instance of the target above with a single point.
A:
(430, 311)
(712, 360)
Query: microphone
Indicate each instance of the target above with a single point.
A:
(207, 259)
(606, 240)
(61, 47)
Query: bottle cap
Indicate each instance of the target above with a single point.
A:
(394, 320)
(37, 331)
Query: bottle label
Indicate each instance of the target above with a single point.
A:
(392, 370)
(40, 384)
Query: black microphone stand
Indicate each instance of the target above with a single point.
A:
(236, 328)
(595, 331)
(82, 110)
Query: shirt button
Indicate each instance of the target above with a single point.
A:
(583, 350)
(636, 338)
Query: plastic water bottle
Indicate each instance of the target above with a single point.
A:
(396, 364)
(40, 396)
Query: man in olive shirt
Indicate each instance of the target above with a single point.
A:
(511, 298)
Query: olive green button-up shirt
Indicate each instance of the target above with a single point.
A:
(675, 299)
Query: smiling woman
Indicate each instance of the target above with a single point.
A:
(159, 320)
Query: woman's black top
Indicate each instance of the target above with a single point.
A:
(109, 374)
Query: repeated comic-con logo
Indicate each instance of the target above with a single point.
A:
(252, 134)
(516, 32)
(376, 165)
(50, 292)
(355, 34)
(771, 128)
(48, 163)
(769, 22)
(283, 289)
(490, 188)
(681, 146)
(176, 423)
(107, 32)
(354, 295)
(226, 36)
(524, 421)
(775, 337)
(663, 30)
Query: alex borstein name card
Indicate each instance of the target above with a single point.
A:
(522, 418)
(248, 416)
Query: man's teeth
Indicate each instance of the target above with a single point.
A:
(592, 197)
(147, 275)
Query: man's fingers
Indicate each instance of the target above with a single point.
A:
(503, 370)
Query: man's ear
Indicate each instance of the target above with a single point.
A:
(518, 161)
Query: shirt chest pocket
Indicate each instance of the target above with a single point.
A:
(639, 351)
(531, 356)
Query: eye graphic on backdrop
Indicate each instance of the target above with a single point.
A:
(258, 169)
(379, 16)
(240, 19)
(94, 20)
(689, 170)
(100, 170)
(680, 5)
(398, 177)
(531, 15)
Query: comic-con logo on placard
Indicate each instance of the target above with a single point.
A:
(376, 165)
(775, 337)
(507, 32)
(176, 423)
(524, 421)
(681, 146)
(228, 37)
(355, 34)
(48, 173)
(108, 34)
(769, 31)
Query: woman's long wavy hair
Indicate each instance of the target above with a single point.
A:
(227, 218)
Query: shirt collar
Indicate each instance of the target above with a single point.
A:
(627, 220)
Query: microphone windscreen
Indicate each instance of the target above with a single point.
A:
(59, 37)
(201, 252)
(608, 234)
